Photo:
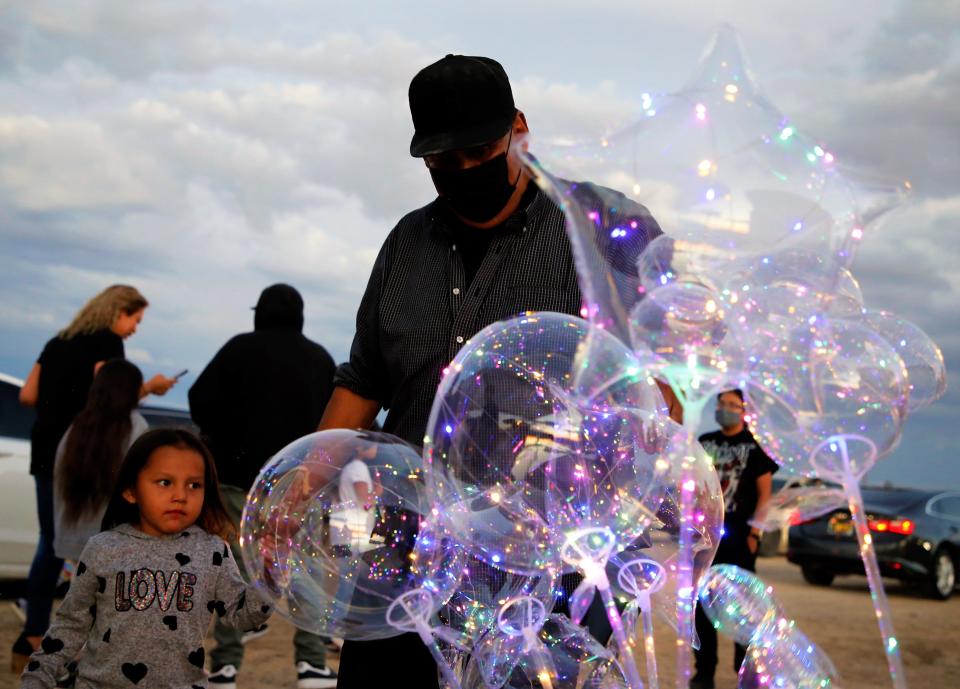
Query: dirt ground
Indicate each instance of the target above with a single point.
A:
(839, 619)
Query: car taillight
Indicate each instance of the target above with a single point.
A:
(796, 519)
(904, 527)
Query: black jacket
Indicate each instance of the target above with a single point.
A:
(261, 391)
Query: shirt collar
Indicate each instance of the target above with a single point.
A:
(131, 530)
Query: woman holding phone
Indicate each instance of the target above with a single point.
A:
(57, 386)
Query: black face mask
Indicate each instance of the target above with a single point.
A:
(476, 193)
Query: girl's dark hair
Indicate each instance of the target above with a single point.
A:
(213, 515)
(96, 441)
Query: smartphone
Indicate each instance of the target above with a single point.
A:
(181, 374)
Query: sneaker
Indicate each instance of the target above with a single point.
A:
(312, 677)
(699, 681)
(253, 634)
(224, 677)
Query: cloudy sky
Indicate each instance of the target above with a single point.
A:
(202, 150)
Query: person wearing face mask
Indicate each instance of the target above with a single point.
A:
(746, 478)
(490, 246)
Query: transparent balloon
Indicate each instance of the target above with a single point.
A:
(484, 590)
(926, 372)
(639, 579)
(691, 525)
(455, 659)
(693, 479)
(787, 287)
(719, 167)
(783, 656)
(661, 544)
(736, 601)
(529, 649)
(681, 332)
(441, 565)
(753, 284)
(533, 434)
(847, 299)
(829, 379)
(439, 562)
(590, 550)
(329, 529)
(741, 606)
(830, 399)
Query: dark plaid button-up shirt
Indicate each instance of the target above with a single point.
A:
(417, 311)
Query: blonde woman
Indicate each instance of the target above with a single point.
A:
(57, 386)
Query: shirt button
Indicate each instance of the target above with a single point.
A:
(456, 290)
(459, 339)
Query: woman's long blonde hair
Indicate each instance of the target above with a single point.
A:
(101, 312)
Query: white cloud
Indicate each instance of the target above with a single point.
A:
(14, 316)
(131, 39)
(51, 165)
(921, 36)
(139, 355)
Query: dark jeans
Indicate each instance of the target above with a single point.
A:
(46, 566)
(400, 661)
(733, 550)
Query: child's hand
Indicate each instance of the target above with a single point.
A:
(273, 554)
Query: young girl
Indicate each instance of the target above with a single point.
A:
(90, 454)
(145, 589)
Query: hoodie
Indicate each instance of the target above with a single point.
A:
(263, 389)
(138, 609)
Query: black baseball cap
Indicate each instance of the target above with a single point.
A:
(279, 305)
(280, 295)
(459, 102)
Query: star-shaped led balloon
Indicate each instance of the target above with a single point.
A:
(725, 174)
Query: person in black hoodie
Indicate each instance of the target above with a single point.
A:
(260, 392)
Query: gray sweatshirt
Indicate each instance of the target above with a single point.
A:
(142, 605)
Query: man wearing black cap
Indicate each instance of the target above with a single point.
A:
(489, 247)
(260, 392)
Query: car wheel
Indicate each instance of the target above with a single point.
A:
(816, 575)
(943, 577)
